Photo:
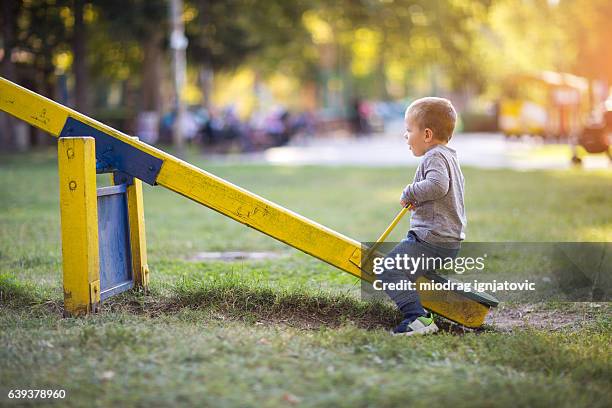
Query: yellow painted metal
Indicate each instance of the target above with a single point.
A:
(453, 305)
(79, 221)
(225, 197)
(395, 221)
(31, 107)
(138, 242)
(386, 233)
(94, 297)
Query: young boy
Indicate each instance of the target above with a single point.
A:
(438, 222)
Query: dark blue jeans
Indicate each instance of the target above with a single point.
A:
(408, 301)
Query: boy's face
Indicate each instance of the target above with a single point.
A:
(419, 140)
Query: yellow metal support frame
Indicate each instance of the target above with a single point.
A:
(79, 221)
(138, 243)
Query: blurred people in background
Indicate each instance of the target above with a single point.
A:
(222, 130)
(358, 117)
(367, 117)
(193, 120)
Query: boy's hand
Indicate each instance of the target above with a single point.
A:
(404, 201)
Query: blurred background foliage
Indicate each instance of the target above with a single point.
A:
(111, 58)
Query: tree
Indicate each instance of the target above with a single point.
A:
(589, 30)
(7, 19)
(35, 32)
(79, 62)
(135, 32)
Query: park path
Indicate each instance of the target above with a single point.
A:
(482, 150)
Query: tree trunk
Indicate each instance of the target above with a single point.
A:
(147, 119)
(79, 64)
(151, 77)
(7, 122)
(206, 83)
(45, 79)
(381, 75)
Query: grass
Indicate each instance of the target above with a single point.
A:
(292, 330)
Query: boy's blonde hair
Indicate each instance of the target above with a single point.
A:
(438, 114)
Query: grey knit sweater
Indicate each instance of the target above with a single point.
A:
(437, 195)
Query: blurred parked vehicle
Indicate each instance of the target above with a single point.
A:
(557, 106)
(550, 104)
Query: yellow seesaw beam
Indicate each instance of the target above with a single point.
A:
(232, 201)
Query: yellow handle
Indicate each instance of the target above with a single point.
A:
(385, 234)
(395, 221)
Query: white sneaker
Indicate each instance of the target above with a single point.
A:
(419, 326)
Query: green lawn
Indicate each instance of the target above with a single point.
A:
(290, 331)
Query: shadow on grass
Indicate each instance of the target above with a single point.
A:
(255, 302)
(230, 297)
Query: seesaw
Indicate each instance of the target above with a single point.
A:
(103, 232)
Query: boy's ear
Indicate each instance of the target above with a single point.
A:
(428, 134)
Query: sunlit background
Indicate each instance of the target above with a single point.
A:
(254, 75)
